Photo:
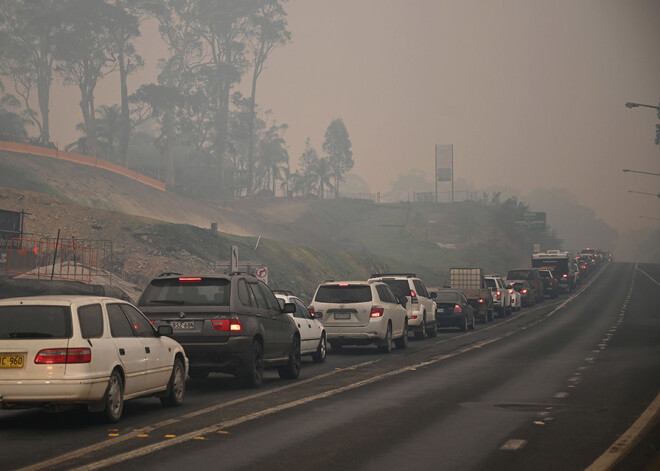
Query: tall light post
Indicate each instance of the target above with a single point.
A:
(657, 108)
(644, 193)
(639, 171)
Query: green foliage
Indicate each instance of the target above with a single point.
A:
(337, 146)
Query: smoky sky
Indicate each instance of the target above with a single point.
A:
(531, 93)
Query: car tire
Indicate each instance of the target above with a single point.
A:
(321, 351)
(253, 372)
(176, 387)
(292, 368)
(198, 373)
(489, 315)
(433, 331)
(386, 346)
(464, 326)
(420, 333)
(114, 398)
(403, 341)
(336, 346)
(473, 323)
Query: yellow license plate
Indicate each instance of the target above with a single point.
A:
(12, 361)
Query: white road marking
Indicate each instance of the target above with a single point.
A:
(629, 439)
(513, 444)
(561, 395)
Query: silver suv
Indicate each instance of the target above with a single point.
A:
(361, 313)
(420, 305)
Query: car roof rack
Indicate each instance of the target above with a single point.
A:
(380, 275)
(169, 273)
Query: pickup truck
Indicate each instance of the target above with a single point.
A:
(472, 283)
(500, 294)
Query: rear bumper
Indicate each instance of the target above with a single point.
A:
(224, 357)
(356, 335)
(450, 320)
(51, 391)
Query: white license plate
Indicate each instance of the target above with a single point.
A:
(441, 310)
(182, 324)
(342, 315)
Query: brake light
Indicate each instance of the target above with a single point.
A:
(524, 291)
(499, 295)
(481, 300)
(190, 279)
(413, 297)
(343, 285)
(52, 356)
(376, 312)
(311, 310)
(227, 325)
(457, 308)
(511, 291)
(564, 275)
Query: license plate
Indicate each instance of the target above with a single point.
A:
(182, 324)
(342, 315)
(12, 361)
(441, 310)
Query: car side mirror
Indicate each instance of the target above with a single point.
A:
(433, 295)
(316, 315)
(165, 330)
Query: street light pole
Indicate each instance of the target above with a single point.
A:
(638, 171)
(644, 193)
(637, 105)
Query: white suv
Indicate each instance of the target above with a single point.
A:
(500, 293)
(420, 305)
(360, 313)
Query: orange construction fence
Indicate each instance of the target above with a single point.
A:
(45, 259)
(81, 159)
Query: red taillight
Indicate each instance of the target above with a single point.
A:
(413, 297)
(227, 325)
(190, 279)
(524, 291)
(564, 275)
(63, 355)
(481, 300)
(376, 312)
(457, 308)
(311, 310)
(343, 285)
(499, 295)
(510, 291)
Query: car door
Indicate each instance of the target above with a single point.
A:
(301, 317)
(423, 295)
(93, 329)
(159, 357)
(275, 332)
(129, 349)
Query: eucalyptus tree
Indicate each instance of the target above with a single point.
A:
(12, 125)
(108, 130)
(85, 48)
(268, 31)
(28, 31)
(273, 155)
(307, 165)
(124, 27)
(206, 39)
(323, 172)
(162, 103)
(337, 146)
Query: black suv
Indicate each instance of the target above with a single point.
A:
(226, 323)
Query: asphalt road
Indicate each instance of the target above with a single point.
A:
(552, 387)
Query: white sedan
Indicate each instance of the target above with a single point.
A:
(312, 333)
(516, 297)
(56, 351)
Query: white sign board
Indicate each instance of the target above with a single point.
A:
(537, 248)
(262, 274)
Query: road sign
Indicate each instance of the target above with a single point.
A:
(262, 274)
(534, 221)
(537, 248)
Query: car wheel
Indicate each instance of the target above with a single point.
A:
(433, 331)
(464, 326)
(489, 316)
(335, 345)
(292, 369)
(114, 398)
(176, 388)
(321, 351)
(420, 333)
(386, 346)
(403, 341)
(473, 323)
(253, 372)
(198, 373)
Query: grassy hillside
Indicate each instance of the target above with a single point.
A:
(303, 242)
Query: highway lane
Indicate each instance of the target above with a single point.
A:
(453, 401)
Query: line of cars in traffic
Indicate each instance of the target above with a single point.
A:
(60, 351)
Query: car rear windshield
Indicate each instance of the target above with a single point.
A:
(399, 287)
(35, 322)
(544, 274)
(343, 294)
(446, 297)
(490, 283)
(518, 274)
(187, 291)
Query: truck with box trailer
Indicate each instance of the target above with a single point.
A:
(472, 283)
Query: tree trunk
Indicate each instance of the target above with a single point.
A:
(125, 123)
(44, 80)
(250, 159)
